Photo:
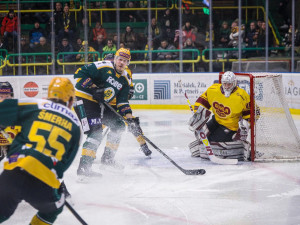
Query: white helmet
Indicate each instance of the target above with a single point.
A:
(228, 78)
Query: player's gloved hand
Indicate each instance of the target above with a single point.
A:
(134, 126)
(242, 132)
(98, 94)
(199, 119)
(131, 92)
(63, 189)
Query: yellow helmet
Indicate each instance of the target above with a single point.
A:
(124, 53)
(61, 88)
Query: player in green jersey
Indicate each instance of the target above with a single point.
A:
(40, 153)
(98, 82)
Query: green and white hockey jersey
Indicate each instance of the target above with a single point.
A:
(48, 141)
(103, 74)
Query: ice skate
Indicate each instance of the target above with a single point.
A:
(107, 159)
(144, 148)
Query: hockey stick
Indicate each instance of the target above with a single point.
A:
(187, 172)
(78, 217)
(201, 136)
(68, 205)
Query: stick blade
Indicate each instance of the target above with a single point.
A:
(195, 172)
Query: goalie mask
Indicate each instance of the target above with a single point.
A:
(228, 82)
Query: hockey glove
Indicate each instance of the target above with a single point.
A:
(98, 94)
(63, 189)
(242, 132)
(131, 92)
(134, 126)
(199, 119)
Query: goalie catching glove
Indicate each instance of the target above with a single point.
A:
(134, 126)
(199, 119)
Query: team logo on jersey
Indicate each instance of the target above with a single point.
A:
(109, 72)
(221, 110)
(114, 82)
(109, 94)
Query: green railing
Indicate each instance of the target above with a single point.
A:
(195, 58)
(229, 58)
(29, 60)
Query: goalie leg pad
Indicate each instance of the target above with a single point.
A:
(231, 150)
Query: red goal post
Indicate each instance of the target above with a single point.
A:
(273, 134)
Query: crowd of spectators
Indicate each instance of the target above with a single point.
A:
(162, 33)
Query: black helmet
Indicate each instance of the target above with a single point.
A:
(6, 88)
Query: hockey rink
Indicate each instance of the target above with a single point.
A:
(154, 192)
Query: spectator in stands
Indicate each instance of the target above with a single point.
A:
(130, 38)
(58, 15)
(90, 56)
(207, 35)
(166, 55)
(25, 48)
(189, 44)
(68, 25)
(97, 30)
(168, 33)
(42, 47)
(82, 28)
(251, 39)
(287, 40)
(78, 44)
(65, 47)
(122, 45)
(223, 37)
(131, 15)
(99, 44)
(9, 30)
(109, 47)
(167, 68)
(35, 34)
(189, 31)
(155, 32)
(235, 34)
(188, 16)
(148, 54)
(261, 41)
(168, 19)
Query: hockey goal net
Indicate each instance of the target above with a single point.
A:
(273, 135)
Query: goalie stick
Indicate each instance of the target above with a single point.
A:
(201, 136)
(186, 172)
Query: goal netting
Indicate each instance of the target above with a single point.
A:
(273, 135)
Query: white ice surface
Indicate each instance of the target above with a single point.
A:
(154, 192)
